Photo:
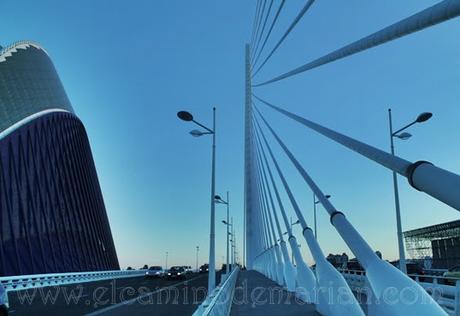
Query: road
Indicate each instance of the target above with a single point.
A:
(256, 295)
(135, 296)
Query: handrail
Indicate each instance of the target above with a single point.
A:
(425, 276)
(219, 302)
(446, 294)
(18, 283)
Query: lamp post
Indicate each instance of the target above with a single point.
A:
(197, 250)
(228, 224)
(423, 117)
(314, 212)
(166, 260)
(218, 199)
(233, 244)
(188, 117)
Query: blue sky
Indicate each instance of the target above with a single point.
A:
(128, 67)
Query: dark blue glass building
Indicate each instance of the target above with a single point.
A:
(52, 214)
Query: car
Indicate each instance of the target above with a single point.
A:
(176, 272)
(204, 268)
(188, 269)
(453, 272)
(155, 272)
(3, 302)
(414, 268)
(411, 267)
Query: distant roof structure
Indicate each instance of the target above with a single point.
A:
(440, 242)
(439, 231)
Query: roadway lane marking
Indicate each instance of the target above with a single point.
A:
(112, 307)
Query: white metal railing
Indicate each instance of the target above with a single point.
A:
(17, 283)
(444, 290)
(219, 303)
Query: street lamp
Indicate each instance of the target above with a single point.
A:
(197, 250)
(314, 212)
(233, 243)
(423, 117)
(228, 224)
(166, 260)
(188, 117)
(218, 199)
(292, 224)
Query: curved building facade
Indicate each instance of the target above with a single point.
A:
(52, 213)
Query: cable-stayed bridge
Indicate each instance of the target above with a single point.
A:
(268, 281)
(331, 290)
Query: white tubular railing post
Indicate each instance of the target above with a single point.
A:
(304, 275)
(306, 280)
(422, 175)
(271, 238)
(267, 260)
(326, 275)
(274, 259)
(270, 208)
(280, 266)
(274, 264)
(381, 274)
(271, 264)
(289, 270)
(457, 299)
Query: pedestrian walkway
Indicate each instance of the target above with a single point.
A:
(256, 295)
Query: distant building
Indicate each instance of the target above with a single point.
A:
(52, 214)
(338, 261)
(437, 245)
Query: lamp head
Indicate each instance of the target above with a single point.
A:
(196, 133)
(185, 116)
(425, 116)
(404, 136)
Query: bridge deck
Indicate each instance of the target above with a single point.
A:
(256, 295)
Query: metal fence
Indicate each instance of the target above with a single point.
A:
(444, 290)
(219, 303)
(17, 283)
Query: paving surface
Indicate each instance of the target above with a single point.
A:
(130, 296)
(256, 295)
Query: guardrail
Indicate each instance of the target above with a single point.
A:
(220, 301)
(437, 272)
(444, 290)
(24, 282)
